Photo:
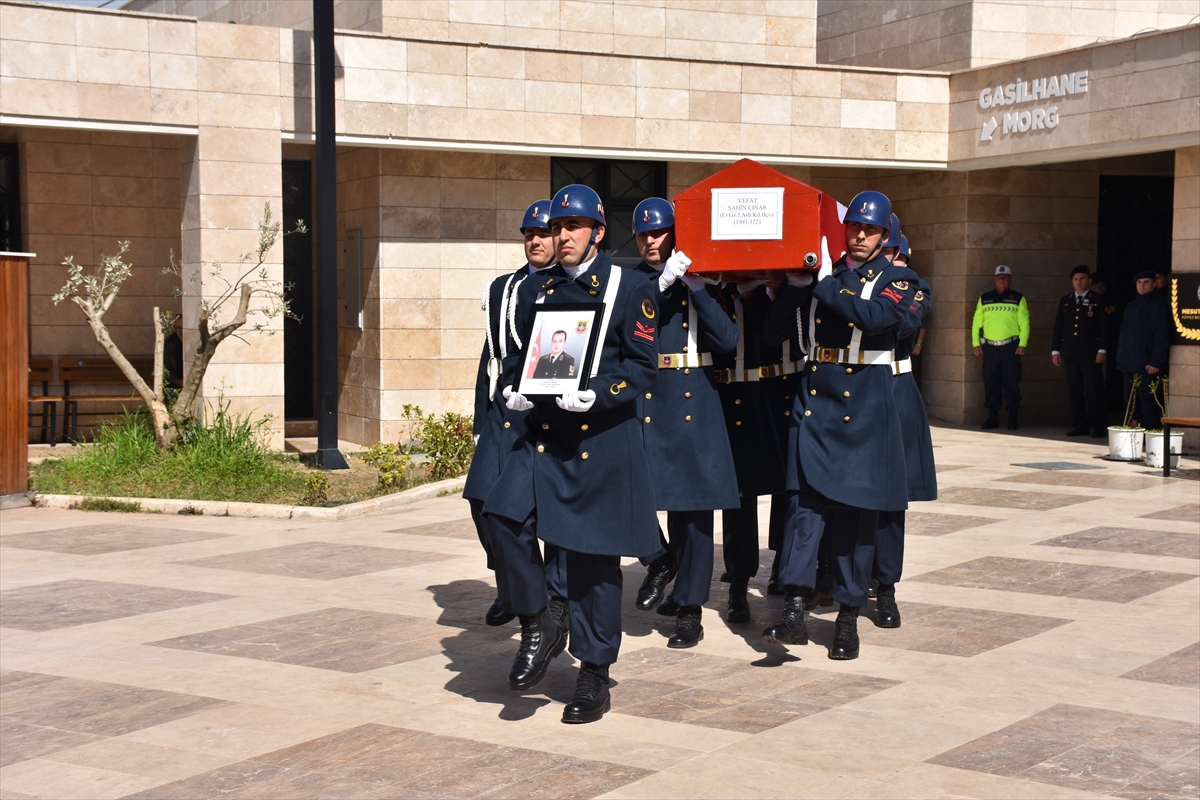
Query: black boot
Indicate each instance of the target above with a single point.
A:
(496, 615)
(887, 613)
(654, 587)
(669, 607)
(688, 630)
(791, 628)
(845, 634)
(541, 641)
(739, 606)
(773, 585)
(992, 421)
(591, 698)
(1012, 420)
(562, 615)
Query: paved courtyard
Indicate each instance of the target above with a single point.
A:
(1050, 648)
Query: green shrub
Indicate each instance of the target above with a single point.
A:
(449, 442)
(316, 489)
(391, 461)
(105, 504)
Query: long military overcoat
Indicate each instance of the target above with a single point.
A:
(914, 421)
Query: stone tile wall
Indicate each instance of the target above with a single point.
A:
(360, 15)
(902, 34)
(1185, 257)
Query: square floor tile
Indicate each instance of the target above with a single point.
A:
(1181, 668)
(340, 639)
(45, 714)
(1189, 513)
(1111, 584)
(458, 529)
(950, 631)
(90, 540)
(1001, 498)
(62, 604)
(1131, 540)
(920, 523)
(319, 561)
(1088, 480)
(1091, 750)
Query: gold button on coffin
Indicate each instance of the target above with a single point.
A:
(584, 456)
(541, 448)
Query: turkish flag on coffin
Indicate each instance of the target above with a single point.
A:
(749, 218)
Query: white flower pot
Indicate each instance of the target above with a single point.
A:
(1154, 448)
(1125, 444)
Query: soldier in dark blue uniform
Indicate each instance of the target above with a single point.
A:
(691, 464)
(495, 426)
(577, 477)
(1080, 330)
(845, 448)
(1144, 350)
(918, 455)
(781, 391)
(743, 385)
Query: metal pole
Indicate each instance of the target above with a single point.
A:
(327, 454)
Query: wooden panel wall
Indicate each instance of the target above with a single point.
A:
(14, 373)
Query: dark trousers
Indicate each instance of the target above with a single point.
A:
(1146, 409)
(1085, 389)
(1001, 376)
(481, 530)
(851, 544)
(663, 549)
(690, 539)
(889, 548)
(592, 586)
(740, 538)
(779, 516)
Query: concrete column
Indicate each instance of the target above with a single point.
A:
(1185, 257)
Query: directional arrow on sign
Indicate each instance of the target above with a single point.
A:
(985, 135)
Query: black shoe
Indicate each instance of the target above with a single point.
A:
(591, 698)
(688, 630)
(497, 616)
(1012, 420)
(739, 606)
(773, 585)
(887, 613)
(1077, 432)
(873, 588)
(992, 421)
(541, 641)
(845, 634)
(818, 597)
(791, 628)
(562, 615)
(1100, 433)
(654, 587)
(726, 577)
(669, 608)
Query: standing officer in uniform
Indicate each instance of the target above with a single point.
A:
(1002, 316)
(845, 448)
(691, 465)
(495, 426)
(1144, 350)
(577, 477)
(556, 364)
(1080, 328)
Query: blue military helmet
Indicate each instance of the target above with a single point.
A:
(577, 200)
(536, 216)
(893, 235)
(870, 208)
(904, 246)
(653, 214)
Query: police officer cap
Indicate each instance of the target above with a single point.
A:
(1162, 269)
(893, 236)
(904, 246)
(1082, 268)
(1003, 269)
(577, 200)
(1146, 274)
(536, 216)
(870, 208)
(652, 214)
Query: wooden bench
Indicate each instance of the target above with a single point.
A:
(1174, 422)
(41, 371)
(92, 371)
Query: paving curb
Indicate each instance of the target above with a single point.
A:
(218, 508)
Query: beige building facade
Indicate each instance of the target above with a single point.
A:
(173, 131)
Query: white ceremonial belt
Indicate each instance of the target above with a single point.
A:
(902, 366)
(682, 360)
(788, 367)
(842, 355)
(752, 375)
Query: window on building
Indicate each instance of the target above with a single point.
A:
(621, 186)
(10, 200)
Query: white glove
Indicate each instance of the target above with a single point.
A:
(826, 262)
(515, 401)
(799, 279)
(746, 287)
(577, 401)
(676, 265)
(694, 282)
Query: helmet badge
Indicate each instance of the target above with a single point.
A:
(863, 210)
(646, 215)
(566, 197)
(535, 212)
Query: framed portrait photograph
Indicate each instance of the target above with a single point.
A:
(558, 356)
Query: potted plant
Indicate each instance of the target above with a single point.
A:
(1125, 440)
(1156, 447)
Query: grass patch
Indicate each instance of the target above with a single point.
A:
(106, 504)
(226, 460)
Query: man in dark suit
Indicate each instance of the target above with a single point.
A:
(1080, 330)
(1144, 350)
(556, 365)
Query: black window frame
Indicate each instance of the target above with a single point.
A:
(621, 184)
(10, 198)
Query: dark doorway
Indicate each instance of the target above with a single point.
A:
(621, 186)
(298, 383)
(1134, 234)
(10, 200)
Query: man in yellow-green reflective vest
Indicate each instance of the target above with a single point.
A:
(1000, 333)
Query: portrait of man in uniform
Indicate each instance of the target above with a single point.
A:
(556, 358)
(557, 364)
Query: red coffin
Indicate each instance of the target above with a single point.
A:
(747, 233)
